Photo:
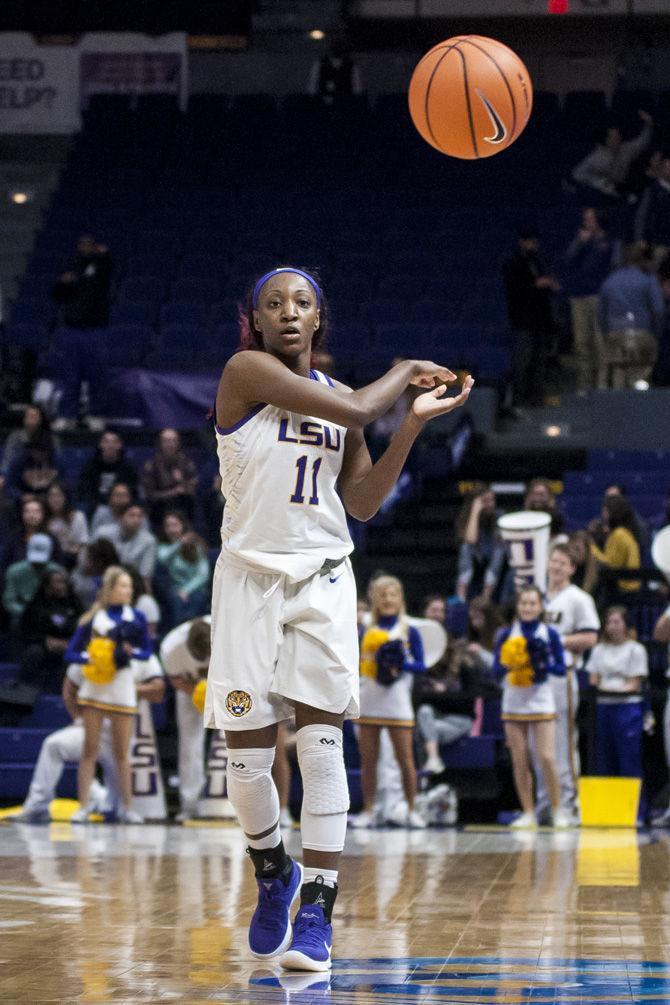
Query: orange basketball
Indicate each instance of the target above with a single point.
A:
(470, 97)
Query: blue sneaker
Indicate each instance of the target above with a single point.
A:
(270, 928)
(312, 941)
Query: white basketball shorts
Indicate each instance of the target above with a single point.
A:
(275, 642)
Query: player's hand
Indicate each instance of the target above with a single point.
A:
(181, 683)
(645, 116)
(428, 374)
(432, 403)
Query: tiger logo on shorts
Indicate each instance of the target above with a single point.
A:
(238, 703)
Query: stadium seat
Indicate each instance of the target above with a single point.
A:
(141, 313)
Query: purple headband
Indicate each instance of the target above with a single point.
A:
(274, 272)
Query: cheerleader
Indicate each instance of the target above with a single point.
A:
(391, 653)
(111, 636)
(525, 654)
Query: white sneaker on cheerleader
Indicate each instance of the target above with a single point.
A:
(81, 815)
(415, 822)
(561, 819)
(434, 765)
(130, 817)
(362, 819)
(525, 821)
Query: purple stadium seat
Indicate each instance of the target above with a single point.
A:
(140, 313)
(183, 312)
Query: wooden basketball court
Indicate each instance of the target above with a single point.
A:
(158, 914)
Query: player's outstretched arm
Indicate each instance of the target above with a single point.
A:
(364, 485)
(253, 377)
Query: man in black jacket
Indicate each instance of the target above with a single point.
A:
(83, 294)
(528, 289)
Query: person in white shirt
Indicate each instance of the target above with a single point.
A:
(572, 612)
(617, 668)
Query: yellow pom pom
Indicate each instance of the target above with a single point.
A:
(198, 696)
(102, 668)
(373, 639)
(520, 678)
(514, 655)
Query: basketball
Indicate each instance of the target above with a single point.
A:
(470, 97)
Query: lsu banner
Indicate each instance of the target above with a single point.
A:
(39, 86)
(213, 802)
(147, 781)
(526, 537)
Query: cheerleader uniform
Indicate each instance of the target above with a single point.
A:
(392, 705)
(535, 701)
(123, 624)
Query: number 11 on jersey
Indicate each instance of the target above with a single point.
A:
(298, 493)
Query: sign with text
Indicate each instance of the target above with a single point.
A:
(39, 87)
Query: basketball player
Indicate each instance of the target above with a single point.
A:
(292, 459)
(572, 612)
(67, 744)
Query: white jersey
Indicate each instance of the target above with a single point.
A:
(279, 474)
(570, 611)
(174, 653)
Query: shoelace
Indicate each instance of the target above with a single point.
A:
(303, 924)
(268, 897)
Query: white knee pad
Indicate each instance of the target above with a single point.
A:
(325, 798)
(251, 788)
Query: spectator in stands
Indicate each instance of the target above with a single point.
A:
(596, 527)
(35, 467)
(484, 622)
(607, 167)
(435, 608)
(444, 698)
(46, 626)
(91, 566)
(584, 561)
(135, 544)
(541, 498)
(621, 550)
(119, 499)
(526, 655)
(169, 478)
(33, 516)
(652, 220)
(662, 635)
(528, 288)
(587, 264)
(183, 555)
(107, 467)
(34, 419)
(83, 292)
(111, 638)
(22, 579)
(143, 601)
(631, 319)
(618, 668)
(391, 653)
(67, 524)
(481, 555)
(335, 75)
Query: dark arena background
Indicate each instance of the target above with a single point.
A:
(156, 159)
